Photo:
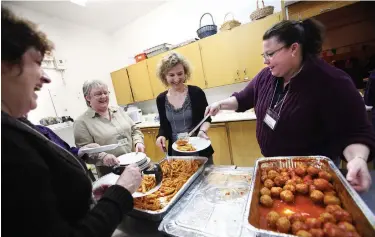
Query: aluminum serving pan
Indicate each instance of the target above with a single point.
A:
(159, 214)
(364, 219)
(214, 207)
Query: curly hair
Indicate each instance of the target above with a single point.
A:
(170, 61)
(18, 35)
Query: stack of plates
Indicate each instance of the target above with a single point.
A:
(135, 158)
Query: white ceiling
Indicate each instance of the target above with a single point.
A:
(104, 15)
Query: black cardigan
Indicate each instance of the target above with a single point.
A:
(198, 104)
(46, 192)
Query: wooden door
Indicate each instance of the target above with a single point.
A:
(245, 147)
(152, 151)
(140, 81)
(192, 54)
(219, 59)
(219, 140)
(156, 84)
(306, 9)
(249, 46)
(120, 81)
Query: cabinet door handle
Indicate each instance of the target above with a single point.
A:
(238, 72)
(148, 132)
(245, 72)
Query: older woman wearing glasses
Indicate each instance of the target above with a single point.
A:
(106, 125)
(303, 105)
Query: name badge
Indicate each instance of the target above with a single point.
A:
(121, 140)
(271, 118)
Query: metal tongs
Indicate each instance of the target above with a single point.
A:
(198, 126)
(166, 154)
(155, 169)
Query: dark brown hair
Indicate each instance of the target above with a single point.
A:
(309, 33)
(18, 35)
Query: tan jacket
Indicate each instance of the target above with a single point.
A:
(90, 127)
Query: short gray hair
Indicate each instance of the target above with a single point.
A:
(89, 85)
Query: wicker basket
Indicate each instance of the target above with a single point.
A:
(261, 12)
(228, 25)
(207, 30)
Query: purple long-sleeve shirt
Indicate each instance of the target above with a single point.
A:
(56, 139)
(322, 113)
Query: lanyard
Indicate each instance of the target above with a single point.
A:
(282, 102)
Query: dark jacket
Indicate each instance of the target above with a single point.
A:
(46, 190)
(370, 96)
(370, 90)
(198, 106)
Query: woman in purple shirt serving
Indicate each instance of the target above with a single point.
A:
(303, 105)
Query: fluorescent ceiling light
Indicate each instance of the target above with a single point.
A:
(79, 2)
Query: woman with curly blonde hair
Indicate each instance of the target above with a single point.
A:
(181, 107)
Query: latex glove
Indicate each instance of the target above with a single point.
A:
(358, 174)
(131, 178)
(212, 109)
(91, 145)
(161, 142)
(110, 160)
(140, 147)
(203, 135)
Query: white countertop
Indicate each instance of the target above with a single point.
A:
(221, 117)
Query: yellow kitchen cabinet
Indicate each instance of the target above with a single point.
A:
(152, 151)
(249, 46)
(219, 59)
(192, 53)
(242, 138)
(140, 81)
(120, 81)
(219, 140)
(156, 85)
(306, 9)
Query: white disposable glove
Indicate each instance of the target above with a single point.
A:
(203, 135)
(91, 145)
(212, 109)
(358, 174)
(109, 160)
(131, 178)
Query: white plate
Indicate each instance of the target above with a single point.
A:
(131, 158)
(109, 179)
(198, 143)
(145, 165)
(99, 149)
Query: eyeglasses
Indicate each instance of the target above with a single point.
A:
(268, 56)
(99, 94)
